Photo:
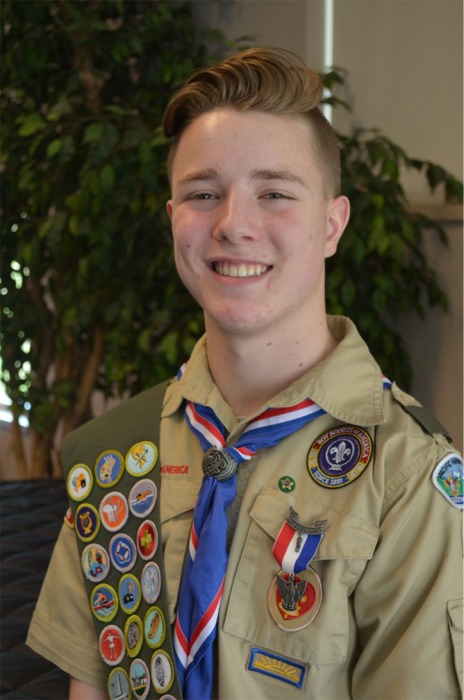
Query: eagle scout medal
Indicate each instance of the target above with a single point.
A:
(295, 594)
(339, 456)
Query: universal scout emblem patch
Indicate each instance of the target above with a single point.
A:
(114, 503)
(339, 456)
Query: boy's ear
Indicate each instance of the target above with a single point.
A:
(337, 218)
(169, 208)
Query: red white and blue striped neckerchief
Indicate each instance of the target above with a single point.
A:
(206, 562)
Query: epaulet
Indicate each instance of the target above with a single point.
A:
(421, 415)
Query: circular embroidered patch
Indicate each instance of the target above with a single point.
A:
(111, 645)
(86, 522)
(154, 627)
(162, 671)
(141, 458)
(109, 468)
(129, 593)
(142, 498)
(123, 552)
(118, 684)
(95, 562)
(133, 634)
(147, 539)
(139, 678)
(286, 484)
(151, 582)
(114, 511)
(339, 456)
(79, 482)
(104, 602)
(294, 600)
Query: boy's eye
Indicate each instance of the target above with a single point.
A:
(276, 195)
(203, 195)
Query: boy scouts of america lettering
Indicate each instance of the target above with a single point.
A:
(339, 456)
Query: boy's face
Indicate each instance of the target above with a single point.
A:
(250, 221)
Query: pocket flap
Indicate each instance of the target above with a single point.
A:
(184, 490)
(346, 535)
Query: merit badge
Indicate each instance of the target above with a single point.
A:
(123, 552)
(129, 593)
(141, 458)
(68, 517)
(448, 478)
(118, 685)
(142, 498)
(139, 678)
(294, 601)
(86, 522)
(104, 602)
(154, 627)
(79, 482)
(95, 562)
(111, 645)
(133, 634)
(147, 539)
(151, 582)
(162, 671)
(114, 511)
(109, 468)
(339, 456)
(286, 484)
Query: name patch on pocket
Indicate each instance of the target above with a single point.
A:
(276, 666)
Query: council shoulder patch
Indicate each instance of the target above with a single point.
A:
(277, 666)
(448, 478)
(339, 456)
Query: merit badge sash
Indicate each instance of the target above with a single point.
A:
(114, 499)
(295, 594)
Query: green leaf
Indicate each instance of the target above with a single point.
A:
(31, 124)
(54, 147)
(93, 133)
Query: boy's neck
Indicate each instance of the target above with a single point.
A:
(250, 370)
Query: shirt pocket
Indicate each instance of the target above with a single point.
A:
(178, 498)
(348, 544)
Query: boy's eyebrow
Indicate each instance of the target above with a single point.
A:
(199, 175)
(285, 175)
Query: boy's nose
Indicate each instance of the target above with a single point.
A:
(236, 220)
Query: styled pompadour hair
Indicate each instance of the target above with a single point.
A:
(260, 79)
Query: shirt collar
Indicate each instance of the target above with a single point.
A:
(348, 384)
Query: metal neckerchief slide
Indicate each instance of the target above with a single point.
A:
(113, 479)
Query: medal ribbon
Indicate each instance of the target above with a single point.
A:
(294, 550)
(204, 572)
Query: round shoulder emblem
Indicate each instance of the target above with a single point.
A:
(114, 511)
(141, 458)
(109, 468)
(86, 522)
(142, 498)
(339, 456)
(162, 671)
(104, 602)
(118, 685)
(79, 482)
(95, 562)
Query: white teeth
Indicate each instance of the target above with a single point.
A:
(241, 270)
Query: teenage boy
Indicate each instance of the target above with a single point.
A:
(328, 565)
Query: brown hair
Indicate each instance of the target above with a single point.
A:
(262, 79)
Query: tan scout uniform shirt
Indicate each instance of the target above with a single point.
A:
(390, 563)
